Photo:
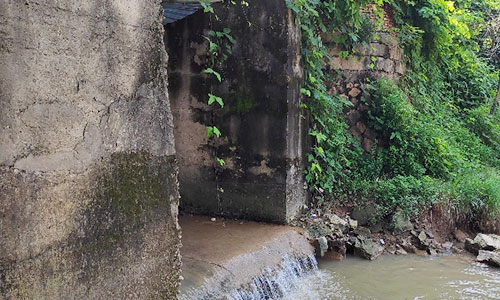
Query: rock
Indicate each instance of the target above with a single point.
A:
(457, 250)
(362, 231)
(448, 245)
(407, 246)
(369, 133)
(414, 233)
(353, 117)
(489, 242)
(362, 107)
(353, 223)
(420, 252)
(429, 234)
(460, 236)
(367, 248)
(336, 250)
(364, 213)
(355, 131)
(354, 92)
(337, 221)
(422, 237)
(323, 245)
(432, 252)
(361, 127)
(367, 144)
(471, 246)
(492, 258)
(401, 252)
(379, 227)
(400, 223)
(334, 255)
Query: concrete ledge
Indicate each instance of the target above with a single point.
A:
(223, 256)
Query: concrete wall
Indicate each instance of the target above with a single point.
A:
(263, 132)
(88, 185)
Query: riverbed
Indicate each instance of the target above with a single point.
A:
(400, 277)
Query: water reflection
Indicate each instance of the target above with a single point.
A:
(401, 277)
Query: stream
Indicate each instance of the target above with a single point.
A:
(399, 277)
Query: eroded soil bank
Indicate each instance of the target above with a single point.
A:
(340, 231)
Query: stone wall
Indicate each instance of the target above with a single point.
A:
(379, 58)
(88, 177)
(262, 129)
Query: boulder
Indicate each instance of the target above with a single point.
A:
(408, 247)
(401, 252)
(354, 92)
(471, 246)
(448, 245)
(424, 240)
(353, 223)
(367, 248)
(491, 258)
(488, 242)
(400, 223)
(322, 246)
(422, 237)
(338, 222)
(362, 231)
(336, 250)
(364, 213)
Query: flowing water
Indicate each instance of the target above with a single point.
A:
(273, 284)
(388, 278)
(399, 277)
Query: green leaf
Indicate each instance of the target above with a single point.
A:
(220, 161)
(212, 130)
(216, 131)
(215, 73)
(212, 98)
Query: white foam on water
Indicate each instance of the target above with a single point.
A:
(273, 284)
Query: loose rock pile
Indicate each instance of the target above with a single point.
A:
(486, 247)
(334, 237)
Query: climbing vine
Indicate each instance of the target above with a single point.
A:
(430, 122)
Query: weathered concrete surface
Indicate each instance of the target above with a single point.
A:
(225, 255)
(88, 185)
(263, 131)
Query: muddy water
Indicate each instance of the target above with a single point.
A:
(400, 277)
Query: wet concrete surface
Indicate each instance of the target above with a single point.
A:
(227, 254)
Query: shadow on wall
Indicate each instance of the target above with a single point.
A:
(263, 134)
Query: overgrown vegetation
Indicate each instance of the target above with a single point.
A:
(439, 135)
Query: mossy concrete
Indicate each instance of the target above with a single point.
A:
(263, 128)
(88, 176)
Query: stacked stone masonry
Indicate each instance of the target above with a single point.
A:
(381, 57)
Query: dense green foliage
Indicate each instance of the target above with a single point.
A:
(437, 140)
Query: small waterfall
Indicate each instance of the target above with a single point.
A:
(275, 282)
(272, 284)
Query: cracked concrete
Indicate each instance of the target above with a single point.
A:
(85, 137)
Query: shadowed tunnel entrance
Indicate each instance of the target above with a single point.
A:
(262, 130)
